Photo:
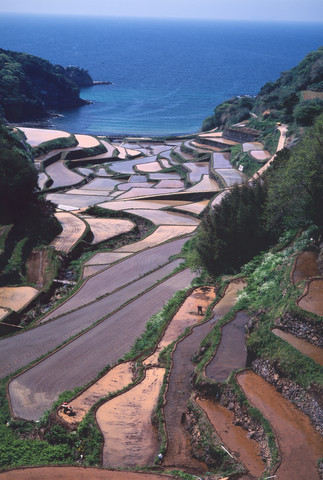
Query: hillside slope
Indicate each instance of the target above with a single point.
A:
(286, 100)
(31, 87)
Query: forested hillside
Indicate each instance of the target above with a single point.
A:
(29, 220)
(296, 97)
(252, 217)
(30, 86)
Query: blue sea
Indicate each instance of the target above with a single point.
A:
(168, 75)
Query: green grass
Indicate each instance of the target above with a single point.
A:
(63, 142)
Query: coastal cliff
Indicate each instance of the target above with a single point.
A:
(32, 88)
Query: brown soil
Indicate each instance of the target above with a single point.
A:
(234, 437)
(77, 473)
(313, 300)
(105, 228)
(196, 207)
(316, 353)
(186, 316)
(305, 266)
(160, 235)
(61, 175)
(105, 258)
(117, 378)
(229, 298)
(178, 393)
(78, 362)
(231, 353)
(73, 229)
(37, 266)
(149, 167)
(180, 387)
(16, 297)
(125, 421)
(162, 217)
(300, 445)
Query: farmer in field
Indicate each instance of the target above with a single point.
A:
(67, 408)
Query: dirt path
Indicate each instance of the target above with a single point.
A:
(234, 437)
(300, 445)
(78, 473)
(76, 364)
(280, 146)
(125, 421)
(232, 352)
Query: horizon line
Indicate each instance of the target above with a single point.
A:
(146, 17)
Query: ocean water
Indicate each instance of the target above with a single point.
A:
(168, 75)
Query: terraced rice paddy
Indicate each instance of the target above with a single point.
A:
(205, 185)
(16, 298)
(73, 201)
(61, 175)
(106, 228)
(312, 301)
(233, 436)
(87, 141)
(300, 445)
(36, 136)
(161, 217)
(316, 353)
(73, 230)
(123, 288)
(162, 234)
(230, 176)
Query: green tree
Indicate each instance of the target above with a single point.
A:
(233, 232)
(295, 191)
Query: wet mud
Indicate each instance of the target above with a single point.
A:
(312, 301)
(299, 443)
(232, 352)
(305, 266)
(316, 353)
(186, 316)
(77, 473)
(117, 378)
(125, 422)
(178, 393)
(234, 437)
(180, 386)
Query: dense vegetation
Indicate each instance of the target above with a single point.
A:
(31, 218)
(282, 100)
(252, 217)
(30, 87)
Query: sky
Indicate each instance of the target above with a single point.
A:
(256, 10)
